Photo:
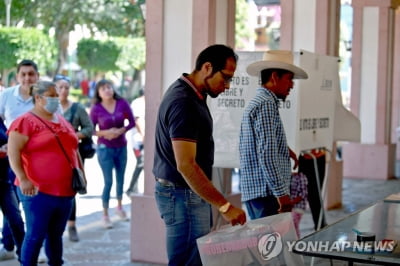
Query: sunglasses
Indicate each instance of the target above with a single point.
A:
(61, 77)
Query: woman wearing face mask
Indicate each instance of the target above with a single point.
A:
(76, 114)
(44, 174)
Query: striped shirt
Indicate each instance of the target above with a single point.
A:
(264, 155)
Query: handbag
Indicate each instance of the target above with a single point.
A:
(86, 146)
(79, 183)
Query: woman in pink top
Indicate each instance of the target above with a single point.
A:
(44, 174)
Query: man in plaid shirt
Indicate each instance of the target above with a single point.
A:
(265, 169)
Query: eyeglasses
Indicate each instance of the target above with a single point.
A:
(227, 78)
(61, 77)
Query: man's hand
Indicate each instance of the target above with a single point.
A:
(235, 216)
(286, 203)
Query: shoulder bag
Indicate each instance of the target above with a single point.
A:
(86, 145)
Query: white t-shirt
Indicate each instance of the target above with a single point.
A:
(138, 109)
(12, 105)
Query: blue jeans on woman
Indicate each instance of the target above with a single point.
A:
(45, 217)
(12, 217)
(110, 158)
(186, 217)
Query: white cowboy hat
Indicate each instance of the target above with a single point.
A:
(279, 59)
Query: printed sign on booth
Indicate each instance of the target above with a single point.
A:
(308, 114)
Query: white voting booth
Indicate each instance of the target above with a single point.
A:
(313, 114)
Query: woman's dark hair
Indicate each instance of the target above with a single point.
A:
(266, 73)
(217, 55)
(102, 83)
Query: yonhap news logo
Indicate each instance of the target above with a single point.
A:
(267, 246)
(385, 245)
(270, 245)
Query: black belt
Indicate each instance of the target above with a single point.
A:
(167, 183)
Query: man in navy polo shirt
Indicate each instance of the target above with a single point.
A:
(184, 155)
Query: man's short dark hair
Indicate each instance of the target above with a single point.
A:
(217, 55)
(27, 62)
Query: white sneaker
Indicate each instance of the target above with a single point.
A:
(42, 256)
(107, 222)
(122, 214)
(6, 255)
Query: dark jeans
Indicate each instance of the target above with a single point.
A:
(13, 230)
(138, 169)
(72, 216)
(262, 207)
(45, 217)
(307, 167)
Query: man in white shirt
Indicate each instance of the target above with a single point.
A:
(15, 101)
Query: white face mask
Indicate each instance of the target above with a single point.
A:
(52, 104)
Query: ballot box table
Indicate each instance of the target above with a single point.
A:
(339, 240)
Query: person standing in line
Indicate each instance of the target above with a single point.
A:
(184, 156)
(42, 149)
(8, 199)
(113, 116)
(265, 170)
(15, 101)
(76, 114)
(137, 133)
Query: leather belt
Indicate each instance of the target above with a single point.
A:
(167, 183)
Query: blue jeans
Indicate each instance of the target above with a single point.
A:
(109, 159)
(186, 217)
(46, 217)
(139, 167)
(15, 231)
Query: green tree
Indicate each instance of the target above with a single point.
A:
(244, 34)
(109, 17)
(132, 53)
(27, 43)
(96, 55)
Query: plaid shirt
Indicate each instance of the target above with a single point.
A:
(264, 155)
(298, 187)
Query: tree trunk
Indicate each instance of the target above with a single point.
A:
(63, 43)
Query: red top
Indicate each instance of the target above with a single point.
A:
(42, 157)
(85, 87)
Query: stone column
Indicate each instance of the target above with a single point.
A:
(372, 90)
(396, 88)
(176, 30)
